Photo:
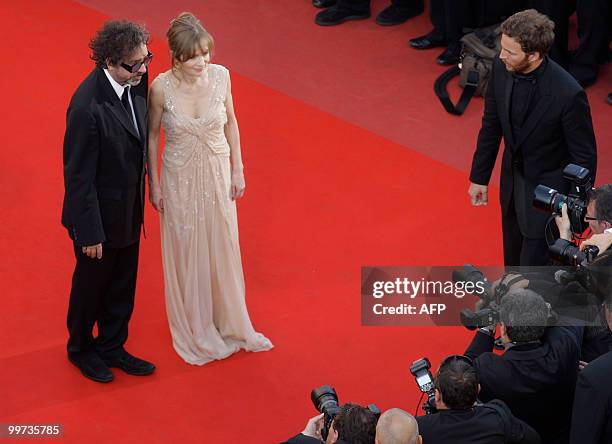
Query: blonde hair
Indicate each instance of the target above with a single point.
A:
(186, 35)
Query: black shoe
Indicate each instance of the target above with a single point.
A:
(323, 3)
(92, 366)
(427, 41)
(335, 16)
(392, 15)
(130, 364)
(609, 99)
(450, 56)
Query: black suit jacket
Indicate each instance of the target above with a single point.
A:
(592, 416)
(479, 425)
(535, 380)
(104, 164)
(557, 131)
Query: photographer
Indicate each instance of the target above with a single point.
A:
(536, 375)
(597, 341)
(353, 425)
(460, 421)
(592, 414)
(598, 216)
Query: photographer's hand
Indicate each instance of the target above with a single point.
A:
(563, 224)
(479, 194)
(602, 241)
(313, 428)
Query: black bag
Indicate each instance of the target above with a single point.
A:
(480, 48)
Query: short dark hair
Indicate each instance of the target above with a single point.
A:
(116, 40)
(355, 424)
(524, 313)
(457, 382)
(602, 196)
(532, 30)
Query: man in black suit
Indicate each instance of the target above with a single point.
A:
(544, 118)
(104, 167)
(459, 420)
(536, 375)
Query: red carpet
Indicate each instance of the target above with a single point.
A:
(326, 194)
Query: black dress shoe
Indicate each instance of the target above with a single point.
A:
(392, 15)
(609, 99)
(335, 16)
(427, 41)
(92, 366)
(130, 364)
(323, 3)
(450, 56)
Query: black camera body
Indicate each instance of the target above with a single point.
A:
(425, 381)
(489, 314)
(551, 200)
(325, 400)
(480, 318)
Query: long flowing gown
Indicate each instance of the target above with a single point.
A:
(204, 283)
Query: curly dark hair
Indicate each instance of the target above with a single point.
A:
(115, 41)
(532, 30)
(355, 424)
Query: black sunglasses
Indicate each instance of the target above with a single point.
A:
(136, 66)
(587, 218)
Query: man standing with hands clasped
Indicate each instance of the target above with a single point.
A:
(544, 117)
(104, 166)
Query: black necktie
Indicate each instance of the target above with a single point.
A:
(126, 104)
(125, 101)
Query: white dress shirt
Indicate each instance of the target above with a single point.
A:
(119, 90)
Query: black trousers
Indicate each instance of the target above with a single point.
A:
(452, 18)
(102, 292)
(594, 31)
(361, 6)
(518, 249)
(559, 12)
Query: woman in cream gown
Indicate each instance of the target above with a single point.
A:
(201, 176)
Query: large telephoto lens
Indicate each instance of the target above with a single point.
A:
(565, 252)
(324, 398)
(548, 199)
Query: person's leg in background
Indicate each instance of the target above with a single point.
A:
(458, 15)
(559, 12)
(400, 11)
(437, 36)
(593, 30)
(342, 11)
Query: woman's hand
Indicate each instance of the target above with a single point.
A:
(155, 196)
(238, 184)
